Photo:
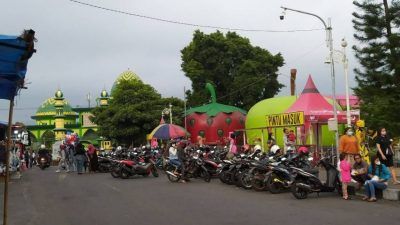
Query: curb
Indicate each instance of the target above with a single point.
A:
(390, 194)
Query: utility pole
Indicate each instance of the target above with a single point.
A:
(329, 43)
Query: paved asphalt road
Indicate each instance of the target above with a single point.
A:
(48, 198)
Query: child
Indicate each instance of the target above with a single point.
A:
(345, 171)
(292, 136)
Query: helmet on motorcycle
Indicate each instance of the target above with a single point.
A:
(42, 146)
(119, 148)
(257, 147)
(275, 148)
(303, 150)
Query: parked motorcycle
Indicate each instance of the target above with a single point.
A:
(142, 165)
(306, 183)
(104, 164)
(194, 169)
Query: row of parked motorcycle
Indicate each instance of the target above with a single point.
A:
(125, 163)
(293, 171)
(290, 172)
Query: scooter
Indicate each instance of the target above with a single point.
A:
(306, 183)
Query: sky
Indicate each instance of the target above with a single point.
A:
(82, 50)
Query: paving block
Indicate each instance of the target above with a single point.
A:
(391, 194)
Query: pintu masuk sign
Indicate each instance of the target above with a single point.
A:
(285, 119)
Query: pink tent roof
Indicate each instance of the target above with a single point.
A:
(314, 105)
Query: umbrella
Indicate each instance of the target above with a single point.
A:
(168, 131)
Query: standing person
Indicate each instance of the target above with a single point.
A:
(33, 158)
(80, 156)
(93, 160)
(181, 153)
(360, 170)
(379, 175)
(27, 158)
(61, 158)
(286, 142)
(200, 141)
(345, 172)
(385, 152)
(348, 144)
(232, 146)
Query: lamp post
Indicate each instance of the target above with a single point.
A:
(170, 113)
(329, 43)
(345, 62)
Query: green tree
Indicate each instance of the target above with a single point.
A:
(377, 29)
(134, 110)
(243, 74)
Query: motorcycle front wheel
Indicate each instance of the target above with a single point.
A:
(245, 180)
(275, 187)
(205, 175)
(226, 177)
(154, 171)
(258, 183)
(298, 192)
(115, 172)
(124, 174)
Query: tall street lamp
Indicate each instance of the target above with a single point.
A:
(328, 29)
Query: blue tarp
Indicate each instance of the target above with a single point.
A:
(14, 57)
(12, 49)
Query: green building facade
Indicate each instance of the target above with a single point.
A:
(56, 117)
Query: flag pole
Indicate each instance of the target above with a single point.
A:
(8, 148)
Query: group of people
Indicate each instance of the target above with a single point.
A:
(74, 158)
(373, 176)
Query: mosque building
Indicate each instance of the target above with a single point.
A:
(56, 117)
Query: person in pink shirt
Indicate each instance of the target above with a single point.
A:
(345, 171)
(232, 144)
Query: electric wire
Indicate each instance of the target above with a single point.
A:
(187, 23)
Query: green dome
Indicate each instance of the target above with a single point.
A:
(48, 108)
(59, 94)
(104, 94)
(127, 75)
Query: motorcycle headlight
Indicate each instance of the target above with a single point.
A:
(42, 159)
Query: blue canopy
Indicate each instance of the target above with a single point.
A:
(14, 55)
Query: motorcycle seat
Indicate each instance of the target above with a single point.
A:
(314, 171)
(144, 167)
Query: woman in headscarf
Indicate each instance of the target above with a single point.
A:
(93, 160)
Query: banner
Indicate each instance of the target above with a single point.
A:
(285, 119)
